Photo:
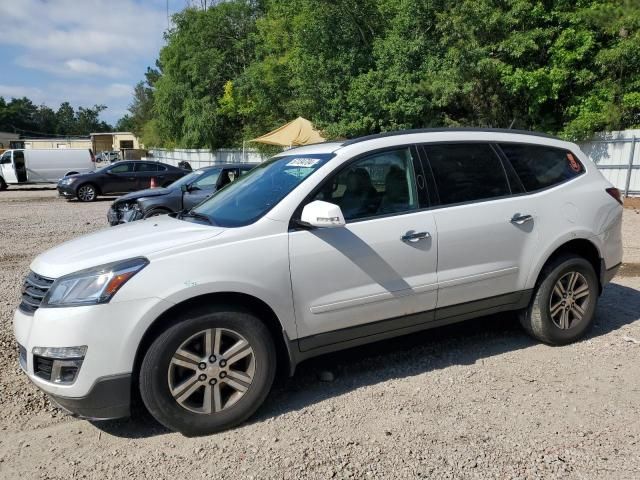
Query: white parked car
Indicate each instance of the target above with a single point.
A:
(318, 249)
(32, 166)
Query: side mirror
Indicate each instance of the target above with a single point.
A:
(322, 214)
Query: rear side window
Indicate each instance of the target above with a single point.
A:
(146, 167)
(541, 167)
(466, 172)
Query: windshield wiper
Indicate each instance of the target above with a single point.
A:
(196, 215)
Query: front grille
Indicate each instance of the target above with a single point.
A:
(42, 367)
(33, 291)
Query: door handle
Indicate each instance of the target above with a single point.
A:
(520, 219)
(413, 237)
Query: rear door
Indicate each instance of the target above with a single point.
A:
(6, 167)
(144, 172)
(487, 231)
(380, 266)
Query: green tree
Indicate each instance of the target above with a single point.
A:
(66, 119)
(205, 50)
(353, 67)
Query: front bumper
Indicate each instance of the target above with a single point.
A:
(66, 191)
(116, 217)
(112, 333)
(109, 398)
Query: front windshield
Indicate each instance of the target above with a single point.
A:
(193, 176)
(254, 194)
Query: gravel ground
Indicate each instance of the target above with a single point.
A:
(475, 400)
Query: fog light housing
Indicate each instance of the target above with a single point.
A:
(58, 364)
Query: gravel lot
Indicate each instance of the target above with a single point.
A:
(475, 400)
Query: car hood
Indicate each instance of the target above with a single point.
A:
(135, 239)
(149, 192)
(78, 175)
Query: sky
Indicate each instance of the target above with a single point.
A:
(86, 52)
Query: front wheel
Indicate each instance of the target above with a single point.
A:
(86, 193)
(209, 372)
(564, 305)
(154, 212)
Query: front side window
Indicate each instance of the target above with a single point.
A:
(5, 158)
(466, 172)
(252, 195)
(540, 167)
(208, 180)
(380, 184)
(122, 168)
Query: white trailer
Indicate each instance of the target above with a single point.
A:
(43, 165)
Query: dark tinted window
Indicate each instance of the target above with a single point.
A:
(161, 168)
(381, 184)
(122, 168)
(466, 172)
(541, 167)
(146, 167)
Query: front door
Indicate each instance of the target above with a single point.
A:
(120, 179)
(486, 232)
(6, 166)
(380, 266)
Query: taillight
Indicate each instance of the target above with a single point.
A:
(615, 193)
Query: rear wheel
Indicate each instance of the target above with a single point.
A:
(209, 372)
(86, 193)
(564, 305)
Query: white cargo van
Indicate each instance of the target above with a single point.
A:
(43, 166)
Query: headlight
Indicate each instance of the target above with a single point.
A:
(67, 180)
(93, 285)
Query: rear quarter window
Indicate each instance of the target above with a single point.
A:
(541, 167)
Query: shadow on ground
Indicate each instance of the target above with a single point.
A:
(99, 199)
(35, 188)
(461, 344)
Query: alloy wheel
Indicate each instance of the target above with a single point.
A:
(86, 193)
(569, 300)
(211, 371)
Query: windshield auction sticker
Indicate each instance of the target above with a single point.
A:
(303, 162)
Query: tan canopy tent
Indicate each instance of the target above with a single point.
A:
(296, 133)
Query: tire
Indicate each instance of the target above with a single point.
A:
(86, 192)
(189, 413)
(569, 321)
(154, 212)
(3, 184)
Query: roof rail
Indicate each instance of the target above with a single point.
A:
(436, 130)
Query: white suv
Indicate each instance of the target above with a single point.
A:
(318, 249)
